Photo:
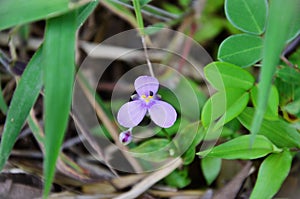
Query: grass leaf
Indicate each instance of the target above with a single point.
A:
(19, 12)
(24, 97)
(277, 30)
(58, 57)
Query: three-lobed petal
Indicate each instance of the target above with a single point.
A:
(162, 114)
(131, 113)
(144, 84)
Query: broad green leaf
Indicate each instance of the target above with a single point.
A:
(240, 148)
(242, 50)
(224, 106)
(156, 150)
(278, 28)
(222, 75)
(289, 75)
(295, 25)
(247, 15)
(59, 68)
(211, 168)
(178, 178)
(281, 133)
(19, 12)
(272, 172)
(23, 99)
(273, 102)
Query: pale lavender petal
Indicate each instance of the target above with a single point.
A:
(144, 84)
(131, 113)
(125, 137)
(162, 114)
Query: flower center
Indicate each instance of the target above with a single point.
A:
(147, 99)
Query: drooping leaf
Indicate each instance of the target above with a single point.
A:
(59, 68)
(242, 50)
(24, 96)
(272, 109)
(19, 12)
(272, 172)
(240, 148)
(222, 75)
(211, 168)
(281, 133)
(224, 106)
(247, 15)
(278, 28)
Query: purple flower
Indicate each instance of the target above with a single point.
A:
(125, 137)
(146, 101)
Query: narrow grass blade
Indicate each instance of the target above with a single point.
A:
(24, 97)
(3, 105)
(85, 11)
(19, 12)
(58, 57)
(276, 35)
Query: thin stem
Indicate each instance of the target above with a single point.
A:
(147, 56)
(140, 22)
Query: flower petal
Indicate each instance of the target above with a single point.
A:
(162, 114)
(131, 113)
(144, 84)
(125, 137)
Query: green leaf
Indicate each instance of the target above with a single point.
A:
(193, 132)
(278, 131)
(178, 178)
(293, 108)
(3, 105)
(188, 137)
(144, 2)
(273, 102)
(85, 11)
(23, 99)
(11, 11)
(278, 28)
(155, 150)
(289, 75)
(247, 15)
(59, 68)
(272, 172)
(240, 148)
(242, 49)
(223, 107)
(24, 96)
(222, 75)
(211, 168)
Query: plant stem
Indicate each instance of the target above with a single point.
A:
(139, 18)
